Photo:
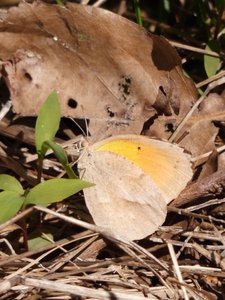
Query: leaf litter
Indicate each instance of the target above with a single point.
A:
(184, 259)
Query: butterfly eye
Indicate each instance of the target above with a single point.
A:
(83, 144)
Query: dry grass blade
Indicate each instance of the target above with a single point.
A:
(177, 269)
(110, 236)
(81, 291)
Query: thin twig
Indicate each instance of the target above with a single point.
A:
(194, 49)
(186, 212)
(210, 79)
(16, 218)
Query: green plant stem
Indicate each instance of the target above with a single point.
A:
(70, 172)
(59, 2)
(138, 12)
(61, 156)
(39, 168)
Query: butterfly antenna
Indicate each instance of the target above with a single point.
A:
(81, 129)
(85, 121)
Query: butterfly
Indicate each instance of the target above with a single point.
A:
(135, 178)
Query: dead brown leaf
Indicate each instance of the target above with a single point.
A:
(104, 67)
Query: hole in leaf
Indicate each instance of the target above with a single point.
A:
(162, 90)
(4, 91)
(28, 76)
(148, 124)
(72, 103)
(170, 127)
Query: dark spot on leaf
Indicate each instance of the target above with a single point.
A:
(148, 124)
(28, 76)
(126, 89)
(162, 90)
(170, 127)
(163, 56)
(162, 103)
(124, 85)
(40, 24)
(110, 112)
(72, 103)
(139, 148)
(128, 80)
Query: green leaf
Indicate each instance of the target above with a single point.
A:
(211, 63)
(62, 158)
(10, 183)
(55, 190)
(10, 203)
(38, 241)
(47, 123)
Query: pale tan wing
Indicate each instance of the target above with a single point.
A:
(124, 201)
(167, 164)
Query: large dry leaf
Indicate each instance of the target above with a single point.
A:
(104, 67)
